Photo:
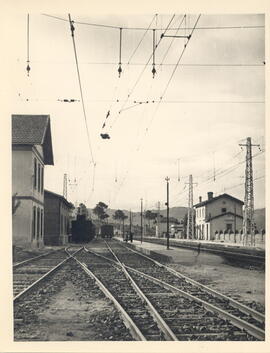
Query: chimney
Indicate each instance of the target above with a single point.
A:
(200, 199)
(210, 195)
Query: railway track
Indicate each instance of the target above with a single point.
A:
(228, 310)
(28, 273)
(95, 319)
(114, 283)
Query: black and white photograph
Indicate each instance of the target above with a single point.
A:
(138, 177)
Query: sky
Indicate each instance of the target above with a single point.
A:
(211, 102)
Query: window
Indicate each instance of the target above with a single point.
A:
(42, 180)
(38, 222)
(35, 173)
(223, 210)
(38, 177)
(34, 223)
(41, 223)
(228, 226)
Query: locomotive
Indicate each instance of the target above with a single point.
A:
(82, 230)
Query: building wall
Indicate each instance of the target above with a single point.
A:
(206, 229)
(51, 220)
(22, 171)
(64, 217)
(22, 223)
(215, 208)
(25, 231)
(57, 219)
(220, 223)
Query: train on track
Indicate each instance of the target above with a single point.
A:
(82, 230)
(106, 231)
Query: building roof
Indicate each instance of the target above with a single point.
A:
(203, 203)
(225, 214)
(58, 196)
(33, 130)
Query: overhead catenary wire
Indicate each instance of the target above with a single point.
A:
(158, 64)
(120, 54)
(161, 29)
(141, 73)
(129, 63)
(172, 74)
(172, 40)
(72, 29)
(28, 47)
(140, 42)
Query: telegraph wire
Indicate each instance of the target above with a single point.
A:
(222, 173)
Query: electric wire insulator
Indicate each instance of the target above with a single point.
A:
(119, 70)
(154, 71)
(72, 28)
(28, 69)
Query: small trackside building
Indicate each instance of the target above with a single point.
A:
(220, 213)
(57, 219)
(31, 151)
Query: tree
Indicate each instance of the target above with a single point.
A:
(100, 211)
(15, 203)
(150, 216)
(119, 215)
(82, 210)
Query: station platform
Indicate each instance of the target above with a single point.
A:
(186, 250)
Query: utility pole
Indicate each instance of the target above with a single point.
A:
(178, 169)
(65, 186)
(190, 218)
(141, 220)
(130, 224)
(235, 223)
(158, 219)
(167, 204)
(248, 220)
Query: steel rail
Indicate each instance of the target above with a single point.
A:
(18, 264)
(41, 279)
(102, 256)
(243, 308)
(129, 323)
(251, 329)
(169, 335)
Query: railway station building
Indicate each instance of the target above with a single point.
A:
(31, 151)
(220, 213)
(57, 219)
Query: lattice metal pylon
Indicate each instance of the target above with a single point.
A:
(248, 219)
(65, 186)
(190, 217)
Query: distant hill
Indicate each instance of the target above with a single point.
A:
(179, 213)
(176, 212)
